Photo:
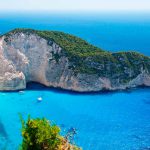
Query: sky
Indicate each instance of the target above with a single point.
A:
(75, 5)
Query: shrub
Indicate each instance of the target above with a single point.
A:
(39, 134)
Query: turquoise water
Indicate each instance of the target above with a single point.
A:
(104, 121)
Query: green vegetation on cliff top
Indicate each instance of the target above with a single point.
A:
(86, 58)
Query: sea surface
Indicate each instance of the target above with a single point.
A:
(104, 121)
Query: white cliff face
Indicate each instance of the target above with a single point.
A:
(10, 78)
(27, 57)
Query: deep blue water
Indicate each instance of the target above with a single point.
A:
(105, 121)
(110, 31)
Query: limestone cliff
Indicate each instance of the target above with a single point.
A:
(56, 59)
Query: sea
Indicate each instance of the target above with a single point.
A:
(104, 121)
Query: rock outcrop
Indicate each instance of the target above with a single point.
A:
(41, 56)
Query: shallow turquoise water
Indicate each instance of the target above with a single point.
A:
(113, 121)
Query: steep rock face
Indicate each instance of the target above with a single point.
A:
(26, 56)
(10, 78)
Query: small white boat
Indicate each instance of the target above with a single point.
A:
(39, 99)
(21, 92)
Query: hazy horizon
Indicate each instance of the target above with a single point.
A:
(75, 6)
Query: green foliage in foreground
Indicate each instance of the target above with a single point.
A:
(40, 134)
(86, 58)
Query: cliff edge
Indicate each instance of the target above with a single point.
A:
(56, 59)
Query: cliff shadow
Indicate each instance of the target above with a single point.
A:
(37, 86)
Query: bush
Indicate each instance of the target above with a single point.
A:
(39, 134)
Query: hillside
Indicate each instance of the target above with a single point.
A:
(71, 63)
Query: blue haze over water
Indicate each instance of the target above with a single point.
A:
(105, 121)
(109, 31)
